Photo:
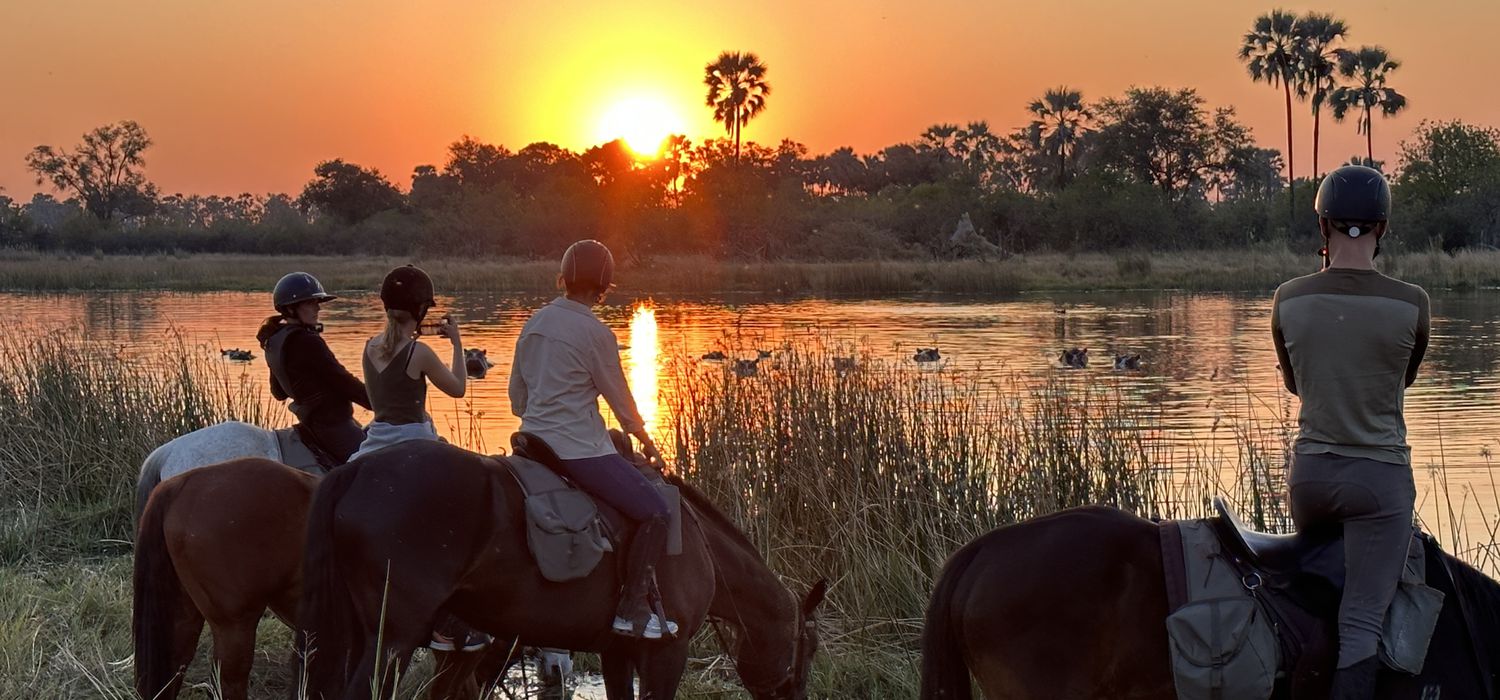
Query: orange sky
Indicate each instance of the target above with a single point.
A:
(248, 96)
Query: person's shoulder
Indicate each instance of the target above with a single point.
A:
(1297, 285)
(1403, 290)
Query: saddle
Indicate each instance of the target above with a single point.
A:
(300, 451)
(567, 529)
(1296, 581)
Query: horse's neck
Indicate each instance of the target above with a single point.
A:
(751, 600)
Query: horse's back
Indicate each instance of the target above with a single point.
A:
(213, 444)
(1065, 603)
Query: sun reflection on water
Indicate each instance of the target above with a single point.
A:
(643, 352)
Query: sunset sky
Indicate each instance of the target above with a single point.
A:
(248, 96)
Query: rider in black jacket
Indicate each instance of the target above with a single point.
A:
(303, 369)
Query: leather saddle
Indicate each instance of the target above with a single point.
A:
(617, 527)
(1315, 553)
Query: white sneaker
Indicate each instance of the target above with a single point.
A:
(653, 627)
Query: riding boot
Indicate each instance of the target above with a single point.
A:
(634, 612)
(1356, 682)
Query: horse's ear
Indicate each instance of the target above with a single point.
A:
(814, 598)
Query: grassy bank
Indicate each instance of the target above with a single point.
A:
(869, 476)
(1224, 270)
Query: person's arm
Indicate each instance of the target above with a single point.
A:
(1283, 358)
(277, 391)
(1424, 331)
(609, 377)
(316, 360)
(517, 389)
(451, 382)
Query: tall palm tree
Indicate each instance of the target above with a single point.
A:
(1368, 67)
(1319, 64)
(1271, 50)
(737, 90)
(1061, 122)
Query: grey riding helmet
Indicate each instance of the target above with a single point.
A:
(1354, 199)
(296, 288)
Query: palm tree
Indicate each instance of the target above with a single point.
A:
(1367, 67)
(737, 90)
(1271, 50)
(1319, 63)
(1061, 122)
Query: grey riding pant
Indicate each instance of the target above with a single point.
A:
(1373, 501)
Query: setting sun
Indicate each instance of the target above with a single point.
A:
(642, 121)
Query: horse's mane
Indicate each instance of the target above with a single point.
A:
(704, 507)
(1479, 596)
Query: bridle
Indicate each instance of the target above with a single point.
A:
(791, 677)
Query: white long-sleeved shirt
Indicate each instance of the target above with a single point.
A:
(566, 358)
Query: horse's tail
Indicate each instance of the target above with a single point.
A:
(326, 616)
(945, 676)
(158, 595)
(150, 477)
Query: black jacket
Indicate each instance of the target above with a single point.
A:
(305, 370)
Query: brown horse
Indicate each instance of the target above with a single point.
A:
(223, 543)
(1073, 606)
(402, 533)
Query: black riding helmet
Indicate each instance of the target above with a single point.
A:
(296, 288)
(1354, 198)
(408, 289)
(589, 262)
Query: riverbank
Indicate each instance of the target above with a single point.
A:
(1253, 269)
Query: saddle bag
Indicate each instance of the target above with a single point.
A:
(562, 523)
(1222, 643)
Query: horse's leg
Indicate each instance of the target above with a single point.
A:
(619, 675)
(661, 669)
(187, 627)
(453, 675)
(234, 652)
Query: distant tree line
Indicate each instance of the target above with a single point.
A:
(1153, 168)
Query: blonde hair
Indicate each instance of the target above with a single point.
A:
(392, 336)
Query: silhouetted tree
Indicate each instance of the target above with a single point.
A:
(1060, 125)
(737, 91)
(348, 192)
(104, 171)
(1368, 67)
(1271, 51)
(1156, 135)
(1318, 64)
(1449, 183)
(477, 164)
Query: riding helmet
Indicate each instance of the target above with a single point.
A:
(296, 288)
(588, 261)
(408, 289)
(1354, 194)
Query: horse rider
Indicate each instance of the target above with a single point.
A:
(565, 359)
(303, 369)
(397, 368)
(1349, 341)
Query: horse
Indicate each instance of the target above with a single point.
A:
(1073, 605)
(398, 535)
(223, 544)
(211, 445)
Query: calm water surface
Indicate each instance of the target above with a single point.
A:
(1208, 358)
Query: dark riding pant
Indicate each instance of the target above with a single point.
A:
(339, 439)
(617, 482)
(1374, 502)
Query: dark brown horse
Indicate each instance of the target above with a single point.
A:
(402, 533)
(223, 543)
(1072, 606)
